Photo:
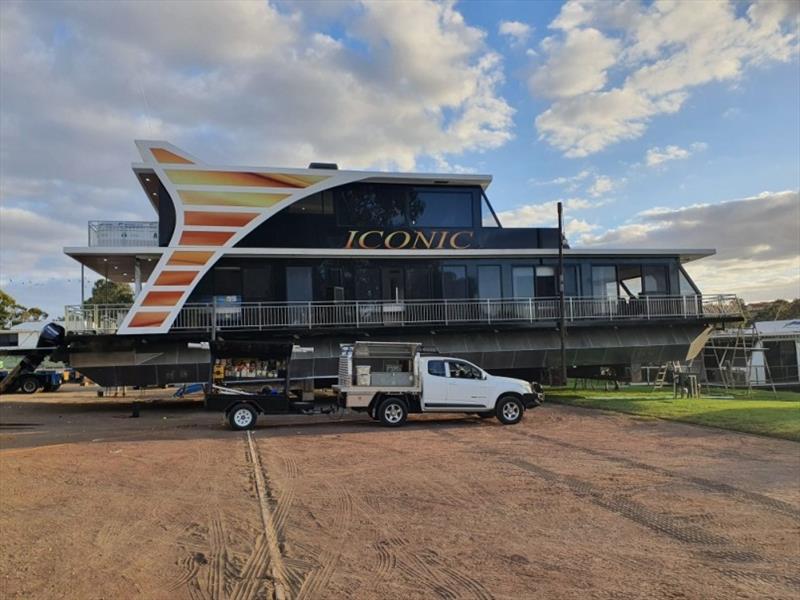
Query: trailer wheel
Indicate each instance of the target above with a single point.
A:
(28, 385)
(509, 410)
(392, 412)
(242, 416)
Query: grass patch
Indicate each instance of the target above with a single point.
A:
(762, 412)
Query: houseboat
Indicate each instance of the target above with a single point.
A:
(324, 256)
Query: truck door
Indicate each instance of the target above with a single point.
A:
(434, 385)
(466, 386)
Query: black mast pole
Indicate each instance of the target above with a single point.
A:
(563, 321)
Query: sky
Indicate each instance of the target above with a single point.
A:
(657, 124)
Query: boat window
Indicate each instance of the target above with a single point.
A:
(488, 218)
(418, 283)
(604, 282)
(298, 284)
(570, 280)
(370, 206)
(522, 282)
(489, 285)
(546, 282)
(656, 280)
(434, 208)
(436, 367)
(368, 284)
(454, 281)
(687, 286)
(256, 284)
(630, 280)
(227, 281)
(316, 204)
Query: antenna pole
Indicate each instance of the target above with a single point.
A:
(563, 321)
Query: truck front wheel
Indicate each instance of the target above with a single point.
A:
(242, 416)
(509, 410)
(393, 412)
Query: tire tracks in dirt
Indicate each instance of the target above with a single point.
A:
(276, 567)
(729, 491)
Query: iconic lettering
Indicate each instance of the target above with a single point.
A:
(362, 241)
(406, 241)
(454, 240)
(351, 239)
(420, 240)
(410, 240)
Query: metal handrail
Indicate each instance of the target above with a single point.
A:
(367, 314)
(121, 234)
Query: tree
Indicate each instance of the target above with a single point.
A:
(776, 310)
(12, 313)
(105, 291)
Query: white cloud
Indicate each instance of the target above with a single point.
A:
(516, 31)
(757, 241)
(656, 156)
(545, 214)
(575, 65)
(234, 82)
(564, 180)
(660, 52)
(601, 186)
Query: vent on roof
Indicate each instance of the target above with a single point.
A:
(316, 165)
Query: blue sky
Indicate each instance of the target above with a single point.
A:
(658, 124)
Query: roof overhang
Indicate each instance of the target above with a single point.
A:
(117, 264)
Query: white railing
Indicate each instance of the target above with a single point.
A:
(361, 314)
(123, 234)
(98, 318)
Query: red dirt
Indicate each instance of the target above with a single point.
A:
(570, 503)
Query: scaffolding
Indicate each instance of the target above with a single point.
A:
(728, 358)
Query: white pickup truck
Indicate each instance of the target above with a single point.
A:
(389, 380)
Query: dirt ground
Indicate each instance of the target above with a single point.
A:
(570, 503)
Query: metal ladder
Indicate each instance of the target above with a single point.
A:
(661, 376)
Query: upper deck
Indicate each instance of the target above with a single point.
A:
(269, 238)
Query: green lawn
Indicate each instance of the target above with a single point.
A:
(760, 412)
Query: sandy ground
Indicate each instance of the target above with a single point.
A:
(571, 503)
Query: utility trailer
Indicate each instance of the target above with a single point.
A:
(389, 380)
(237, 399)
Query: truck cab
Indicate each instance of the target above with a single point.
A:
(391, 380)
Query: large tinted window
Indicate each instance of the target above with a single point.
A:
(454, 281)
(227, 281)
(433, 208)
(489, 285)
(256, 284)
(604, 282)
(687, 286)
(571, 280)
(368, 284)
(368, 205)
(546, 282)
(522, 282)
(656, 279)
(298, 284)
(418, 283)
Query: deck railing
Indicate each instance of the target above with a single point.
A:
(366, 314)
(123, 234)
